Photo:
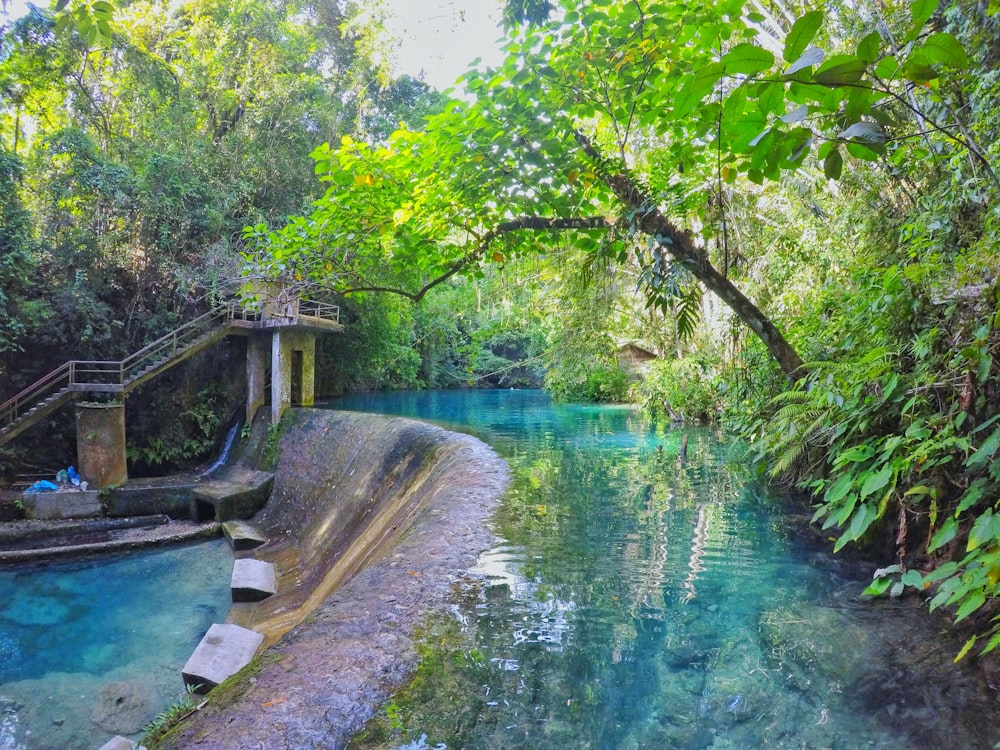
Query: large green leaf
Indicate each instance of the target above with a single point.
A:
(944, 535)
(985, 451)
(746, 58)
(942, 49)
(811, 57)
(840, 71)
(875, 482)
(801, 34)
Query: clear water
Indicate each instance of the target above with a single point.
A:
(642, 600)
(94, 647)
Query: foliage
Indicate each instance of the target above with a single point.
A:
(190, 437)
(172, 715)
(16, 261)
(682, 389)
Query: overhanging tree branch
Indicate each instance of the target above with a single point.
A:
(521, 223)
(679, 244)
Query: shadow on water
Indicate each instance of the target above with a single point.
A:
(639, 599)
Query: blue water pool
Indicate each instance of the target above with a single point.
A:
(647, 596)
(94, 647)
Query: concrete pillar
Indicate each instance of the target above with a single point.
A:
(258, 352)
(100, 444)
(283, 343)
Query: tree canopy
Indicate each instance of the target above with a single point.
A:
(635, 128)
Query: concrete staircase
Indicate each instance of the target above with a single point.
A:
(66, 382)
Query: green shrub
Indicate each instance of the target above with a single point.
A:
(680, 388)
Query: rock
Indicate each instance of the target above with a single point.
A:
(125, 707)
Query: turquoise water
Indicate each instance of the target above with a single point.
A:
(94, 647)
(638, 598)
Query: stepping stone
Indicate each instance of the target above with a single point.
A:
(253, 580)
(242, 535)
(223, 652)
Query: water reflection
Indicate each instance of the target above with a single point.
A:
(644, 599)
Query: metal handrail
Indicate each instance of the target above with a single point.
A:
(323, 310)
(10, 410)
(82, 373)
(170, 344)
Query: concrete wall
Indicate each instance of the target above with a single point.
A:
(346, 489)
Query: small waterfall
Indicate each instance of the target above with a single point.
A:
(227, 448)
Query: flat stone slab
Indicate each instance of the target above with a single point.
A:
(120, 743)
(253, 580)
(239, 493)
(56, 506)
(223, 652)
(242, 535)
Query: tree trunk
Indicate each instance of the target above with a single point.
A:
(679, 244)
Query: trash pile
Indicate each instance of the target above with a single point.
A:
(66, 479)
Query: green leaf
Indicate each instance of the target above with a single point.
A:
(855, 453)
(984, 530)
(913, 579)
(865, 132)
(877, 587)
(888, 68)
(985, 452)
(944, 535)
(811, 57)
(746, 58)
(833, 165)
(974, 601)
(921, 12)
(801, 34)
(840, 70)
(839, 489)
(941, 48)
(965, 649)
(918, 72)
(876, 482)
(868, 47)
(971, 496)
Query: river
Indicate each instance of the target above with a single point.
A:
(646, 591)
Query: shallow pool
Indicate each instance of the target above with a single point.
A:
(644, 595)
(94, 647)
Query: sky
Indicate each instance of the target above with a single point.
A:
(438, 38)
(441, 37)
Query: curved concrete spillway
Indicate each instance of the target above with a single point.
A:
(371, 521)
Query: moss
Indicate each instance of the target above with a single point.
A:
(436, 701)
(218, 701)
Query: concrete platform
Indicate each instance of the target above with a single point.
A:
(57, 506)
(223, 652)
(253, 580)
(239, 493)
(242, 535)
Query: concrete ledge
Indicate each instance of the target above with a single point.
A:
(238, 494)
(253, 580)
(223, 652)
(56, 506)
(242, 535)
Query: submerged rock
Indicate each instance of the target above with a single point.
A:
(125, 707)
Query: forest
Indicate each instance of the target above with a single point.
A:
(792, 209)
